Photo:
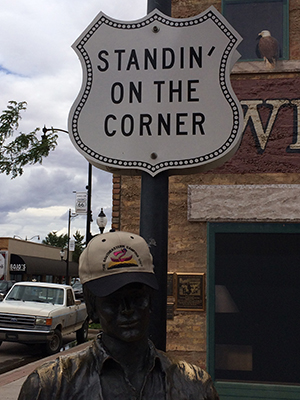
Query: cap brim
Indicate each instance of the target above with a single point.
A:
(108, 284)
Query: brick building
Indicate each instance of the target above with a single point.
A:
(238, 224)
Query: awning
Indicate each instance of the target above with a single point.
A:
(41, 266)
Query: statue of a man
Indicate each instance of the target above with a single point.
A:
(121, 363)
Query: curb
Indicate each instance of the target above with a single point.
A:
(24, 371)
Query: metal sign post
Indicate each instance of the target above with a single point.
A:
(154, 228)
(162, 5)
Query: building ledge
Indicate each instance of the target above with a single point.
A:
(259, 67)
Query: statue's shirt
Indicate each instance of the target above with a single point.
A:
(93, 374)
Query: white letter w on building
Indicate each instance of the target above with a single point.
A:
(253, 117)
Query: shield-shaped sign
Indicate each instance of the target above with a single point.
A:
(156, 94)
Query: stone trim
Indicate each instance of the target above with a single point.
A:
(258, 67)
(257, 203)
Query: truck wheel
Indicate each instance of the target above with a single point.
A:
(82, 333)
(54, 345)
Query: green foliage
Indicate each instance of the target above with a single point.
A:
(52, 239)
(25, 148)
(79, 245)
(95, 326)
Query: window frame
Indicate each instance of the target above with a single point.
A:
(285, 24)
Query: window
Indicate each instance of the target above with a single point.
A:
(70, 298)
(250, 17)
(256, 316)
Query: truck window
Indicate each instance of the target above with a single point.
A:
(70, 298)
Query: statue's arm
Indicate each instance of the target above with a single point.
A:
(211, 393)
(31, 388)
(183, 377)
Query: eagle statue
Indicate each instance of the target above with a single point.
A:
(267, 48)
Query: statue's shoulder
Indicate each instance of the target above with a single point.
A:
(64, 365)
(69, 363)
(62, 370)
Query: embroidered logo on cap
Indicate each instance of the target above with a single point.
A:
(122, 257)
(119, 255)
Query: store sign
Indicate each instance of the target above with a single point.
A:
(156, 93)
(17, 268)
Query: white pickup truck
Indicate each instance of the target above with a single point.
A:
(36, 312)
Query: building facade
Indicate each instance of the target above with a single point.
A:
(22, 260)
(236, 228)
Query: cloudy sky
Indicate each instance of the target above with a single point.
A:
(37, 65)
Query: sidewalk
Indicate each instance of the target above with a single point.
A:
(11, 382)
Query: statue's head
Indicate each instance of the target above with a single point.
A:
(117, 274)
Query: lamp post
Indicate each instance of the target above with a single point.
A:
(101, 221)
(88, 234)
(62, 255)
(62, 252)
(88, 187)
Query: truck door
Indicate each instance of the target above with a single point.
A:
(71, 317)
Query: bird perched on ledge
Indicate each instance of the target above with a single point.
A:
(267, 48)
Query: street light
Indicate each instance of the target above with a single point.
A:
(101, 221)
(62, 254)
(19, 237)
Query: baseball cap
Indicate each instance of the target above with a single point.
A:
(114, 259)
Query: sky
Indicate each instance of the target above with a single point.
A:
(38, 65)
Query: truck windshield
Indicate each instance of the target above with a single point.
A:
(37, 294)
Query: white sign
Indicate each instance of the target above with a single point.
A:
(156, 93)
(72, 244)
(81, 203)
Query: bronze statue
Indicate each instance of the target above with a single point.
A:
(121, 363)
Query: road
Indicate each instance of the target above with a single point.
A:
(14, 355)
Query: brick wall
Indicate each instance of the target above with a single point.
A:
(189, 8)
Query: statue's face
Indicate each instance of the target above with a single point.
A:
(125, 313)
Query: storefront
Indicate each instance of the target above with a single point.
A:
(24, 260)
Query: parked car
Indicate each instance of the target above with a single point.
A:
(78, 290)
(5, 287)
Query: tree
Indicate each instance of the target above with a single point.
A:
(26, 148)
(52, 239)
(61, 241)
(79, 246)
